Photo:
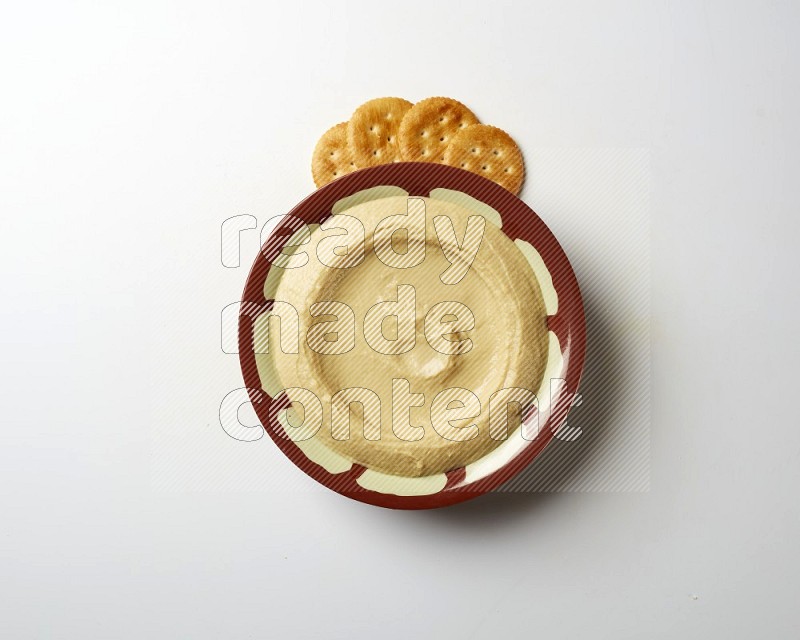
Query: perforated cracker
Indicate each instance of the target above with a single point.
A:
(429, 127)
(372, 131)
(332, 157)
(489, 152)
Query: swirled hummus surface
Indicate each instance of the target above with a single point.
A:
(404, 338)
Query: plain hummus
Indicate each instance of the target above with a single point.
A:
(411, 379)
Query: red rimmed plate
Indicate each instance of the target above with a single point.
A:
(519, 221)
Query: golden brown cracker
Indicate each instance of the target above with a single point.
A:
(372, 131)
(332, 157)
(489, 152)
(429, 126)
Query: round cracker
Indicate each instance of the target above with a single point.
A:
(489, 152)
(372, 131)
(332, 157)
(429, 127)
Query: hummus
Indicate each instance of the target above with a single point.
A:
(406, 355)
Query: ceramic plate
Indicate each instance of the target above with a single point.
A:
(565, 323)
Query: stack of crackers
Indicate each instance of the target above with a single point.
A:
(440, 130)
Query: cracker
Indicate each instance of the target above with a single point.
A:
(332, 157)
(429, 126)
(489, 152)
(372, 131)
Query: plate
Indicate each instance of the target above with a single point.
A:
(565, 323)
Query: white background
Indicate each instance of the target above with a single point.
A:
(128, 132)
